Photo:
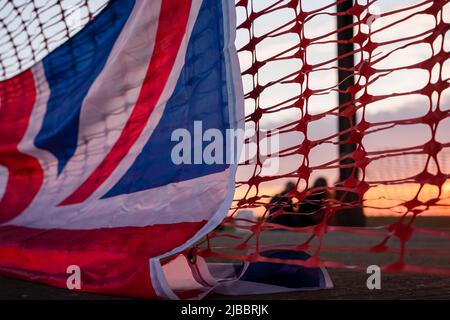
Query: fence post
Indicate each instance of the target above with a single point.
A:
(348, 216)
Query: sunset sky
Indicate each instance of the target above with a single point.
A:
(407, 106)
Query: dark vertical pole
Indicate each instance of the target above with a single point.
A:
(353, 216)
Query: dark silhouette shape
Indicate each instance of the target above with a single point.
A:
(312, 208)
(310, 212)
(282, 202)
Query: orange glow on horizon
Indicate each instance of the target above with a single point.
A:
(382, 200)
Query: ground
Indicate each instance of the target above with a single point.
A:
(348, 284)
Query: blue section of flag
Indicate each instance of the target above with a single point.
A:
(70, 71)
(200, 95)
(285, 275)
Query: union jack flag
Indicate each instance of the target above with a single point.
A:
(85, 144)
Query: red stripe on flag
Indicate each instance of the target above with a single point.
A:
(112, 261)
(25, 175)
(173, 20)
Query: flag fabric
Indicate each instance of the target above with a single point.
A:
(86, 177)
(268, 278)
(197, 279)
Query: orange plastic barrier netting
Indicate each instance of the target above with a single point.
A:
(381, 149)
